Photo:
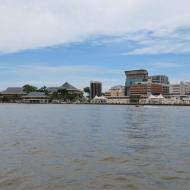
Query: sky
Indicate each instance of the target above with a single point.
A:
(49, 42)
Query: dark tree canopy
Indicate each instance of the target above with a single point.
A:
(43, 89)
(29, 88)
(87, 90)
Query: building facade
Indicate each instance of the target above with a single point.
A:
(117, 91)
(95, 89)
(139, 83)
(161, 79)
(147, 88)
(12, 94)
(183, 88)
(134, 77)
(66, 86)
(36, 98)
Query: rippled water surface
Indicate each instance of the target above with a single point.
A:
(88, 147)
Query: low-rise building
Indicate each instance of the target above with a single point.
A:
(36, 98)
(107, 94)
(12, 94)
(155, 99)
(183, 88)
(66, 86)
(118, 100)
(99, 100)
(117, 91)
(186, 100)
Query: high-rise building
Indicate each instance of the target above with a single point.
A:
(134, 77)
(95, 89)
(139, 83)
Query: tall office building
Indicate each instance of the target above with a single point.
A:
(139, 83)
(95, 89)
(134, 77)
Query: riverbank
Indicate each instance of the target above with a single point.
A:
(137, 105)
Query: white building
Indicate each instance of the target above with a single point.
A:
(156, 99)
(99, 100)
(118, 100)
(186, 100)
(183, 88)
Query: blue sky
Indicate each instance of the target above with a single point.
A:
(50, 42)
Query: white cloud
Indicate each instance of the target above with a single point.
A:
(160, 42)
(37, 24)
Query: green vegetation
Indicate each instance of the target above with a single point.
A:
(64, 95)
(61, 95)
(87, 90)
(29, 88)
(43, 89)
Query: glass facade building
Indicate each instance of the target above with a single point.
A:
(134, 77)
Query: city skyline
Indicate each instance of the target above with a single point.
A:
(50, 42)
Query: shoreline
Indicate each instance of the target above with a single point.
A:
(102, 104)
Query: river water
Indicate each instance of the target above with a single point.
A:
(94, 147)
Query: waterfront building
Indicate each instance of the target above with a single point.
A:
(95, 89)
(66, 86)
(161, 79)
(186, 100)
(148, 88)
(164, 81)
(99, 100)
(117, 91)
(118, 100)
(175, 89)
(36, 97)
(13, 91)
(13, 94)
(134, 77)
(139, 83)
(183, 88)
(156, 99)
(107, 94)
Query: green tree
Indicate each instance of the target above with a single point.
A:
(87, 90)
(62, 94)
(54, 96)
(43, 89)
(29, 88)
